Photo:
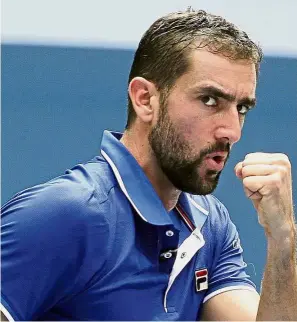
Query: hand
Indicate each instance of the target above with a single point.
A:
(267, 182)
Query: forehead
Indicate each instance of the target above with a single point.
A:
(234, 76)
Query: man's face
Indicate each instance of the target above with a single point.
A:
(201, 119)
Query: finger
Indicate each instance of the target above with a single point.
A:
(262, 158)
(256, 183)
(269, 161)
(258, 170)
(267, 155)
(238, 170)
(257, 155)
(253, 195)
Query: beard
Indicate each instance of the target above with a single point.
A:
(177, 161)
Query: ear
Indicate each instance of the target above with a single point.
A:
(143, 94)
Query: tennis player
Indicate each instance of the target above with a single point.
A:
(135, 234)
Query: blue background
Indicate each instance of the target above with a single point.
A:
(56, 102)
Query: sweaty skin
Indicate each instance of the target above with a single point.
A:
(201, 119)
(267, 182)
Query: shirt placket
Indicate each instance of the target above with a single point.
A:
(185, 252)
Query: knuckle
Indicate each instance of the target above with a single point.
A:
(246, 181)
(282, 157)
(282, 170)
(245, 171)
(250, 183)
(244, 164)
(287, 163)
(285, 156)
(251, 155)
(277, 180)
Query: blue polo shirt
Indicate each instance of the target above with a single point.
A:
(97, 244)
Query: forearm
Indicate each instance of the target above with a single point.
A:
(278, 299)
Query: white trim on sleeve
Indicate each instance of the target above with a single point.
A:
(6, 313)
(228, 288)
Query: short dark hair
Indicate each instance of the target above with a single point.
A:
(162, 53)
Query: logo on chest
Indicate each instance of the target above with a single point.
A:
(201, 279)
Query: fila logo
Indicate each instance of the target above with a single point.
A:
(201, 279)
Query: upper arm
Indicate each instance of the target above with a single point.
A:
(36, 243)
(235, 305)
(44, 256)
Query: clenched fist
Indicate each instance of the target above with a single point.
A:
(267, 181)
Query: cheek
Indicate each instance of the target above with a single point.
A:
(194, 131)
(191, 122)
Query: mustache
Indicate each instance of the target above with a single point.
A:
(216, 147)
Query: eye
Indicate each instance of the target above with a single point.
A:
(243, 109)
(209, 100)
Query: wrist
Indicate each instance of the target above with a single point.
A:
(283, 233)
(284, 240)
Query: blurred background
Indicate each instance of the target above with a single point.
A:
(65, 67)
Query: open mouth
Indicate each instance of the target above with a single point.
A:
(218, 159)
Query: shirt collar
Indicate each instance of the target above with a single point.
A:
(138, 189)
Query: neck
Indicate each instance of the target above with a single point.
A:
(137, 144)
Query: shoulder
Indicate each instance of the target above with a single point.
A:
(55, 236)
(67, 204)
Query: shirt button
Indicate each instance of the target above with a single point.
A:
(183, 255)
(169, 233)
(168, 255)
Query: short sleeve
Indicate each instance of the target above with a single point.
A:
(44, 248)
(229, 270)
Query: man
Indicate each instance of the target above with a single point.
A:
(134, 234)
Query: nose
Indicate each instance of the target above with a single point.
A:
(229, 126)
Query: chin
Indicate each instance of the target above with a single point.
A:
(198, 185)
(197, 189)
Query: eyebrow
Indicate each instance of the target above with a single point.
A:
(216, 92)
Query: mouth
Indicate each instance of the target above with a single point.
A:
(218, 158)
(216, 161)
